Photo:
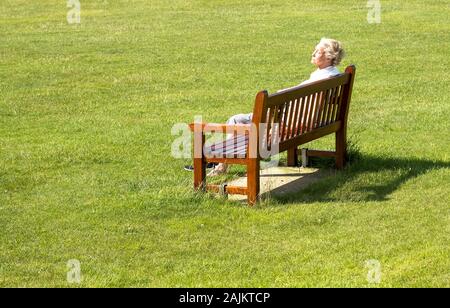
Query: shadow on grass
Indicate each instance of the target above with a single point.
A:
(367, 178)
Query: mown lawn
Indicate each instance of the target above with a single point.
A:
(86, 170)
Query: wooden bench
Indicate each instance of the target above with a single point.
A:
(295, 116)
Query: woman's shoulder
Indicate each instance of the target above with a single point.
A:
(333, 71)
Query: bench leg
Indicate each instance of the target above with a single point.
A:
(199, 174)
(341, 149)
(253, 185)
(292, 157)
(199, 162)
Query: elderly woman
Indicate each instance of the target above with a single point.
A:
(326, 57)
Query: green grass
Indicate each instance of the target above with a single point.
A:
(86, 173)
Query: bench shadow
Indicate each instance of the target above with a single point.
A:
(368, 178)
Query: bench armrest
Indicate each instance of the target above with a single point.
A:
(216, 127)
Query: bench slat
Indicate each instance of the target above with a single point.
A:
(336, 104)
(326, 106)
(301, 116)
(330, 107)
(338, 111)
(292, 121)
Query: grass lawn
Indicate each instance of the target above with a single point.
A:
(86, 170)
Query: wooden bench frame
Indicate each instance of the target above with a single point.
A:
(304, 113)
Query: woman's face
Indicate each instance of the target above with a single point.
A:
(319, 59)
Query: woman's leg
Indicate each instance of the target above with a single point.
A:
(236, 119)
(241, 119)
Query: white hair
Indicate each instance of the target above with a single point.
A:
(333, 50)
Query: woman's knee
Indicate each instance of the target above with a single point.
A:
(239, 119)
(234, 119)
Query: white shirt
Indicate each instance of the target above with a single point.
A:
(320, 74)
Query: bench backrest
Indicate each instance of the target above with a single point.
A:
(303, 109)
